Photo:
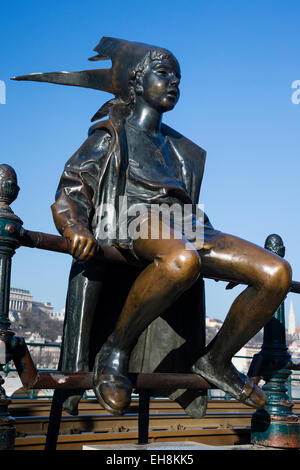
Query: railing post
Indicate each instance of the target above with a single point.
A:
(10, 226)
(144, 403)
(275, 425)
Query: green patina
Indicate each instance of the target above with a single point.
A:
(276, 425)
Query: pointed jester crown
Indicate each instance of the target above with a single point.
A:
(128, 59)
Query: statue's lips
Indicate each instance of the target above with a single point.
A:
(173, 94)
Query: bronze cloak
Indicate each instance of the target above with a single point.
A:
(95, 175)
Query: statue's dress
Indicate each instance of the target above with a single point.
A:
(110, 164)
(154, 182)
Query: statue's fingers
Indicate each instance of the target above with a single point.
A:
(91, 252)
(80, 248)
(73, 245)
(84, 253)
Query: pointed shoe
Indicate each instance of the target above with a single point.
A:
(194, 402)
(246, 391)
(113, 392)
(70, 405)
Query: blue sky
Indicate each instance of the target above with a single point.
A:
(238, 60)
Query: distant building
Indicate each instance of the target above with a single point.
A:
(292, 320)
(213, 323)
(294, 348)
(58, 315)
(243, 358)
(43, 354)
(21, 300)
(46, 307)
(35, 338)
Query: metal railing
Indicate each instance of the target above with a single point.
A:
(212, 394)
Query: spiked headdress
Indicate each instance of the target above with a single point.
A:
(125, 55)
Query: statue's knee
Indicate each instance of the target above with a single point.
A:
(182, 267)
(280, 277)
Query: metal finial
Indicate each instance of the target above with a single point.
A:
(9, 188)
(275, 244)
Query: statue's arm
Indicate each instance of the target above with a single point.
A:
(75, 196)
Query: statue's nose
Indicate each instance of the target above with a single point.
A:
(175, 80)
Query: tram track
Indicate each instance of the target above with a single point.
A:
(41, 407)
(75, 442)
(227, 422)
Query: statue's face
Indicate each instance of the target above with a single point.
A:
(161, 84)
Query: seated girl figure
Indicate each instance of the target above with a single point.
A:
(133, 154)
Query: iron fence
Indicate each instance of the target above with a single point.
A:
(292, 381)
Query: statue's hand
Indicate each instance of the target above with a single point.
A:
(83, 245)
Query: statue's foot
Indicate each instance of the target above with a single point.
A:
(111, 386)
(70, 405)
(230, 380)
(113, 392)
(194, 402)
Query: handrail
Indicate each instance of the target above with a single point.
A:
(59, 244)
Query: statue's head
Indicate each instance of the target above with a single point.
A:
(155, 80)
(139, 72)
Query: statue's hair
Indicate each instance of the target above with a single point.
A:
(135, 83)
(136, 75)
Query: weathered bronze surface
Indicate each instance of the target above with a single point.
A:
(133, 154)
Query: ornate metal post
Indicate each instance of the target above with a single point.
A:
(10, 226)
(276, 425)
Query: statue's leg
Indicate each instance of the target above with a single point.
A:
(268, 278)
(172, 269)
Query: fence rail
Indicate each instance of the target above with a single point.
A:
(212, 394)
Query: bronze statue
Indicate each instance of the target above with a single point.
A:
(134, 155)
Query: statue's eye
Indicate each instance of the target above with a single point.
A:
(162, 72)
